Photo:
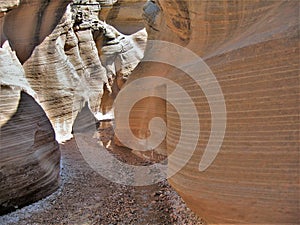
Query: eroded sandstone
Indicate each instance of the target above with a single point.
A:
(252, 49)
(30, 155)
(69, 59)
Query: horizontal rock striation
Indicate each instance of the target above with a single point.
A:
(64, 76)
(41, 18)
(76, 63)
(65, 61)
(252, 48)
(29, 153)
(30, 156)
(125, 16)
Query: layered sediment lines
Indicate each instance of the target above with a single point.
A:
(29, 153)
(252, 48)
(125, 16)
(30, 156)
(56, 58)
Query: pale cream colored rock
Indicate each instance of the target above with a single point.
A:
(65, 70)
(6, 5)
(119, 54)
(12, 80)
(29, 153)
(61, 72)
(122, 54)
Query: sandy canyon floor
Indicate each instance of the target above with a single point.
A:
(87, 198)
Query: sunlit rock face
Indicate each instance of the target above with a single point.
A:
(252, 48)
(8, 5)
(65, 71)
(29, 153)
(79, 62)
(57, 59)
(71, 58)
(13, 80)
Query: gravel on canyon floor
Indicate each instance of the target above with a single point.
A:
(85, 197)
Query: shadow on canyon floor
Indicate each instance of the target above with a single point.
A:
(87, 198)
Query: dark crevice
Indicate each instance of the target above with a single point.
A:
(40, 15)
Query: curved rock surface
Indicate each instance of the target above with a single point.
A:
(70, 58)
(29, 153)
(125, 16)
(64, 76)
(41, 18)
(29, 166)
(252, 48)
(79, 62)
(12, 80)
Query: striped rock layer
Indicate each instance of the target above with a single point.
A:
(56, 58)
(252, 49)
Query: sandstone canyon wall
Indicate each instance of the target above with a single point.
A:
(29, 153)
(56, 58)
(66, 60)
(252, 48)
(76, 63)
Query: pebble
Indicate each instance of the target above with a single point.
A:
(87, 198)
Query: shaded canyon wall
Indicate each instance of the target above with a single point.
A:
(56, 58)
(29, 153)
(252, 48)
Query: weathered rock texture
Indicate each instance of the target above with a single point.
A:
(29, 153)
(64, 75)
(12, 77)
(252, 47)
(6, 5)
(75, 64)
(31, 22)
(70, 59)
(124, 15)
(30, 156)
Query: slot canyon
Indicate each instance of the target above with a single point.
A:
(149, 112)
